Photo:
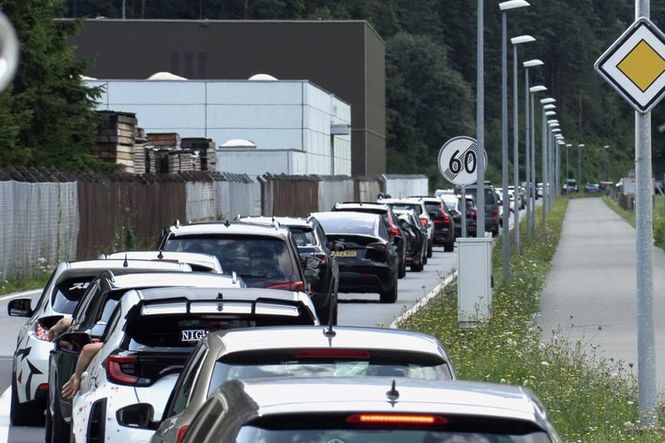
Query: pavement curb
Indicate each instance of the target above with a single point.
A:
(424, 301)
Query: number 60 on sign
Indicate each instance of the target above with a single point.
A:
(458, 161)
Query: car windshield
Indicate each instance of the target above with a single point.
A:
(251, 257)
(344, 225)
(68, 293)
(310, 364)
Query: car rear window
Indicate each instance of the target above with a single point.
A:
(303, 236)
(317, 363)
(347, 226)
(418, 209)
(68, 293)
(434, 208)
(251, 257)
(177, 331)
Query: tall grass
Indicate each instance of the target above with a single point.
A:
(589, 399)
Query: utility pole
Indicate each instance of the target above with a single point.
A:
(480, 119)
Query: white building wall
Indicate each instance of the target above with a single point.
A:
(275, 115)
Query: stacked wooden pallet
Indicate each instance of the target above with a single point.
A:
(164, 140)
(140, 152)
(115, 138)
(206, 150)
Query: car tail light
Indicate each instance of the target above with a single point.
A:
(404, 419)
(394, 231)
(41, 333)
(122, 369)
(43, 387)
(180, 436)
(322, 257)
(423, 221)
(446, 218)
(495, 213)
(288, 286)
(332, 353)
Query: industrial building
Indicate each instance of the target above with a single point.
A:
(260, 125)
(346, 58)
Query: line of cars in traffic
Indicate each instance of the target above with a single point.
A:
(218, 336)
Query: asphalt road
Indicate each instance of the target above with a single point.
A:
(355, 309)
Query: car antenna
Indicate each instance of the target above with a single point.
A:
(125, 263)
(234, 276)
(160, 255)
(177, 223)
(227, 223)
(329, 332)
(393, 393)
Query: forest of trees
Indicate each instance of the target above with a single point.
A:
(431, 66)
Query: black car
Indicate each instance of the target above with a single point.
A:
(389, 217)
(444, 225)
(492, 214)
(92, 315)
(263, 256)
(311, 241)
(454, 203)
(365, 256)
(415, 239)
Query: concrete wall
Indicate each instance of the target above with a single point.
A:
(399, 186)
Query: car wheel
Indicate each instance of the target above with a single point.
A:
(391, 295)
(449, 247)
(402, 269)
(429, 250)
(417, 267)
(30, 413)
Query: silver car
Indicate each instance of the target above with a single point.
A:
(370, 410)
(297, 351)
(62, 293)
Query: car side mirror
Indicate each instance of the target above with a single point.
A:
(20, 307)
(49, 321)
(138, 415)
(72, 342)
(311, 275)
(312, 262)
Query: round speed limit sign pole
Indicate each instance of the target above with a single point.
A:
(458, 163)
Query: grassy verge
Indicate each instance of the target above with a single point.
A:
(658, 218)
(10, 286)
(589, 399)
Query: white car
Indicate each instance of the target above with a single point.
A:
(62, 293)
(148, 339)
(198, 262)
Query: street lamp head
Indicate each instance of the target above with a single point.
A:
(513, 4)
(553, 121)
(554, 125)
(556, 130)
(539, 88)
(549, 107)
(569, 145)
(606, 147)
(560, 143)
(580, 146)
(548, 101)
(550, 113)
(533, 63)
(522, 39)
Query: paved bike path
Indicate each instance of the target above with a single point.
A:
(590, 292)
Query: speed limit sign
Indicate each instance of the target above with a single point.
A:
(458, 161)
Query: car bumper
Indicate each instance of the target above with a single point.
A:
(366, 278)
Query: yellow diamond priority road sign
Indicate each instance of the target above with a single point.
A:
(635, 65)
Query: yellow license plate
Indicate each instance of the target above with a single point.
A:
(345, 253)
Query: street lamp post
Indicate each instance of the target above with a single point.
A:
(527, 141)
(480, 119)
(551, 146)
(516, 153)
(579, 165)
(532, 145)
(567, 174)
(605, 148)
(504, 7)
(544, 134)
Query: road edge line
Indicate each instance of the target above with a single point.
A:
(424, 301)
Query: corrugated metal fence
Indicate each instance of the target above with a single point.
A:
(49, 216)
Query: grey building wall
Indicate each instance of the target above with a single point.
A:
(345, 57)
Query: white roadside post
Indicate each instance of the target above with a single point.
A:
(458, 161)
(634, 65)
(527, 142)
(516, 153)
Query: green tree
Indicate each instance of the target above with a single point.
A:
(47, 114)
